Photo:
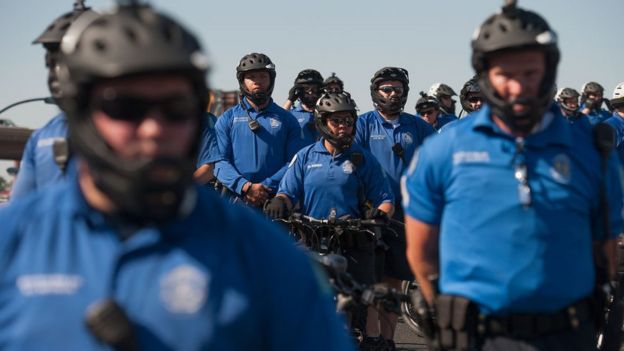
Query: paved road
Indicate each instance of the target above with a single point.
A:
(406, 339)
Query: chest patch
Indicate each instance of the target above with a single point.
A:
(407, 138)
(275, 123)
(184, 289)
(377, 137)
(347, 167)
(240, 119)
(560, 170)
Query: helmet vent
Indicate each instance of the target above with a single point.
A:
(503, 28)
(130, 34)
(168, 33)
(99, 45)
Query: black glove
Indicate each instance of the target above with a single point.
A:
(377, 214)
(593, 104)
(276, 208)
(294, 93)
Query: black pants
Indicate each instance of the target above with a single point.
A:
(582, 339)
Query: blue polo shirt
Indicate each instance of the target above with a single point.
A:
(219, 278)
(320, 182)
(441, 121)
(596, 116)
(506, 257)
(309, 134)
(208, 147)
(617, 122)
(260, 157)
(37, 168)
(378, 136)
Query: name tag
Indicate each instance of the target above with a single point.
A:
(240, 119)
(48, 284)
(471, 157)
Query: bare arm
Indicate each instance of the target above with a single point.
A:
(609, 250)
(422, 253)
(204, 173)
(388, 208)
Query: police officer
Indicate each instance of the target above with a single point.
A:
(391, 136)
(46, 153)
(306, 89)
(617, 119)
(568, 101)
(505, 206)
(333, 84)
(208, 150)
(256, 138)
(444, 94)
(592, 98)
(470, 96)
(129, 245)
(428, 108)
(334, 174)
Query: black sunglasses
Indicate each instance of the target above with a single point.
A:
(390, 89)
(474, 99)
(347, 121)
(174, 108)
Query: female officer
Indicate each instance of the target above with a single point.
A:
(336, 175)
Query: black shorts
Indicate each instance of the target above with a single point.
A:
(361, 260)
(395, 262)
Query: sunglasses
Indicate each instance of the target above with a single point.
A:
(389, 89)
(174, 108)
(474, 99)
(347, 121)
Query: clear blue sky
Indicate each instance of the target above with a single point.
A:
(352, 38)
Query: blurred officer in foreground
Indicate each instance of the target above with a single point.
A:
(592, 98)
(506, 206)
(306, 89)
(46, 154)
(256, 138)
(128, 253)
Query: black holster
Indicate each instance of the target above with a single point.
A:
(457, 321)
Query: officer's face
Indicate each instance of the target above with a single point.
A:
(475, 100)
(391, 89)
(257, 81)
(333, 88)
(341, 123)
(516, 76)
(146, 116)
(430, 115)
(594, 96)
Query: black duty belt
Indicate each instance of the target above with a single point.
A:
(533, 325)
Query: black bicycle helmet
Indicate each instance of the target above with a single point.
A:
(132, 41)
(515, 29)
(255, 62)
(385, 74)
(331, 103)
